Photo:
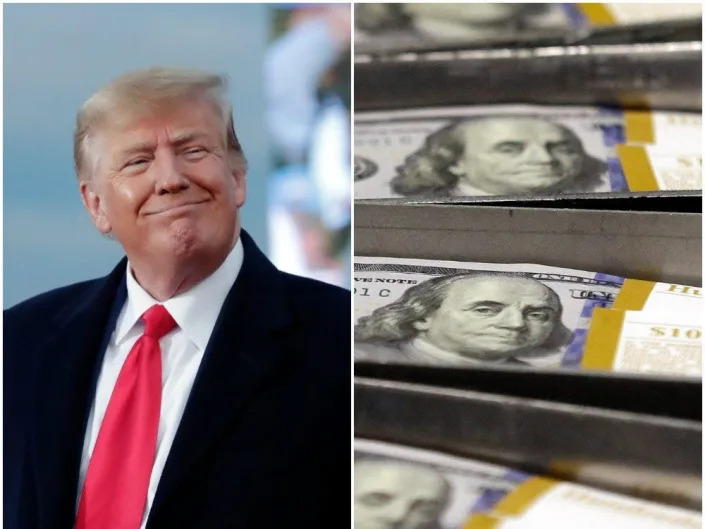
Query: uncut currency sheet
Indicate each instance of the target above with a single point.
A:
(380, 27)
(450, 313)
(399, 26)
(451, 492)
(523, 150)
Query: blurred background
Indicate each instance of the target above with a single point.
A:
(289, 71)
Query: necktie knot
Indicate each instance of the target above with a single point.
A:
(157, 321)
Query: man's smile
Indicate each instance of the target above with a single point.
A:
(178, 207)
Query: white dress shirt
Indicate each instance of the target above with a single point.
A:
(195, 313)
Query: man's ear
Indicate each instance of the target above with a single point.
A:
(422, 325)
(93, 204)
(240, 176)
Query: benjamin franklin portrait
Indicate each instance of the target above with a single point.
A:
(466, 318)
(500, 155)
(396, 495)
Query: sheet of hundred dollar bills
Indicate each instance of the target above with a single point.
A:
(398, 486)
(449, 313)
(524, 150)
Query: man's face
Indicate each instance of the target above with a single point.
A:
(392, 496)
(518, 156)
(165, 185)
(492, 318)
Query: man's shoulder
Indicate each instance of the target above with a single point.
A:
(320, 312)
(30, 324)
(48, 305)
(319, 330)
(316, 296)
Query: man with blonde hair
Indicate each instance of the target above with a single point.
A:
(193, 386)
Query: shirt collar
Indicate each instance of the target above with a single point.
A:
(196, 310)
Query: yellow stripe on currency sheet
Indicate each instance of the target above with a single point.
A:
(639, 127)
(603, 339)
(633, 295)
(517, 501)
(597, 14)
(637, 168)
(482, 521)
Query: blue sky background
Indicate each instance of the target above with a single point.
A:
(55, 57)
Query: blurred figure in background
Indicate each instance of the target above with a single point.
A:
(307, 83)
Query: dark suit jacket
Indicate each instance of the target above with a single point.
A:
(264, 442)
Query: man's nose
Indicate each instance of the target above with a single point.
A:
(169, 178)
(395, 513)
(537, 153)
(512, 318)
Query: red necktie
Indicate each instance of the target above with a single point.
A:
(115, 491)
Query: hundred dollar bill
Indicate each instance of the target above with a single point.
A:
(397, 486)
(451, 313)
(421, 25)
(641, 342)
(522, 150)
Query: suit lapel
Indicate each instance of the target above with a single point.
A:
(70, 363)
(241, 352)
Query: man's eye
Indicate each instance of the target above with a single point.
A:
(510, 147)
(540, 315)
(375, 499)
(136, 163)
(484, 310)
(194, 153)
(563, 148)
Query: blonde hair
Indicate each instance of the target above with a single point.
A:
(143, 92)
